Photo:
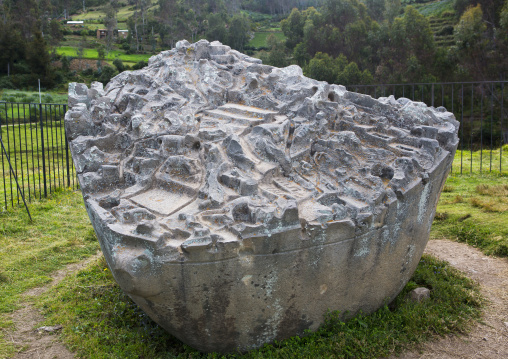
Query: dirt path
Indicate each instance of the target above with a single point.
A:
(41, 345)
(490, 338)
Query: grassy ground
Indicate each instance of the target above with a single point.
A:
(259, 39)
(97, 13)
(435, 8)
(92, 54)
(484, 161)
(23, 144)
(32, 96)
(474, 209)
(101, 322)
(94, 25)
(29, 252)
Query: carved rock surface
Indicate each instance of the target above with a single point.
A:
(237, 202)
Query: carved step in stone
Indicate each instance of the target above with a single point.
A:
(233, 224)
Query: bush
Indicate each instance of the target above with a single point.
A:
(107, 73)
(87, 72)
(119, 65)
(139, 65)
(5, 83)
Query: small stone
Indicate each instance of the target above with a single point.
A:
(49, 329)
(419, 294)
(506, 323)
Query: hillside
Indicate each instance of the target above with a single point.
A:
(442, 19)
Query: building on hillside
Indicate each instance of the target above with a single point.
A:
(75, 23)
(103, 33)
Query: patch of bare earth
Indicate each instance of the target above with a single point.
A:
(489, 339)
(41, 344)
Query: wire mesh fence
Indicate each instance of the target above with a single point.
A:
(36, 149)
(480, 107)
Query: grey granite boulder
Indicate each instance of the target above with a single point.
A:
(237, 202)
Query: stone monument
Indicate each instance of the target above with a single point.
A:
(237, 202)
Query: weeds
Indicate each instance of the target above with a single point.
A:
(477, 212)
(458, 199)
(496, 190)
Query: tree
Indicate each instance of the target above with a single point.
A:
(277, 54)
(418, 35)
(238, 32)
(301, 55)
(55, 32)
(322, 67)
(216, 29)
(503, 17)
(376, 9)
(293, 28)
(12, 47)
(101, 53)
(106, 74)
(39, 61)
(119, 65)
(392, 9)
(471, 43)
(469, 30)
(351, 75)
(81, 49)
(110, 24)
(167, 13)
(25, 14)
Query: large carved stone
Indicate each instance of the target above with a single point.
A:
(237, 202)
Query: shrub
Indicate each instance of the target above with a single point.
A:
(139, 65)
(107, 73)
(119, 65)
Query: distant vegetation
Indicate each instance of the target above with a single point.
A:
(342, 41)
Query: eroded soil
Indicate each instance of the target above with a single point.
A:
(35, 344)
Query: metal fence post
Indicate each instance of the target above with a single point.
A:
(43, 158)
(67, 162)
(432, 95)
(3, 168)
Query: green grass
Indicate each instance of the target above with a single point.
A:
(32, 96)
(29, 252)
(435, 8)
(96, 13)
(92, 54)
(259, 39)
(23, 144)
(474, 209)
(484, 161)
(101, 322)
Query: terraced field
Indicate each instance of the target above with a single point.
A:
(441, 15)
(442, 27)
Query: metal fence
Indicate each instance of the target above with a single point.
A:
(35, 141)
(480, 107)
(37, 149)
